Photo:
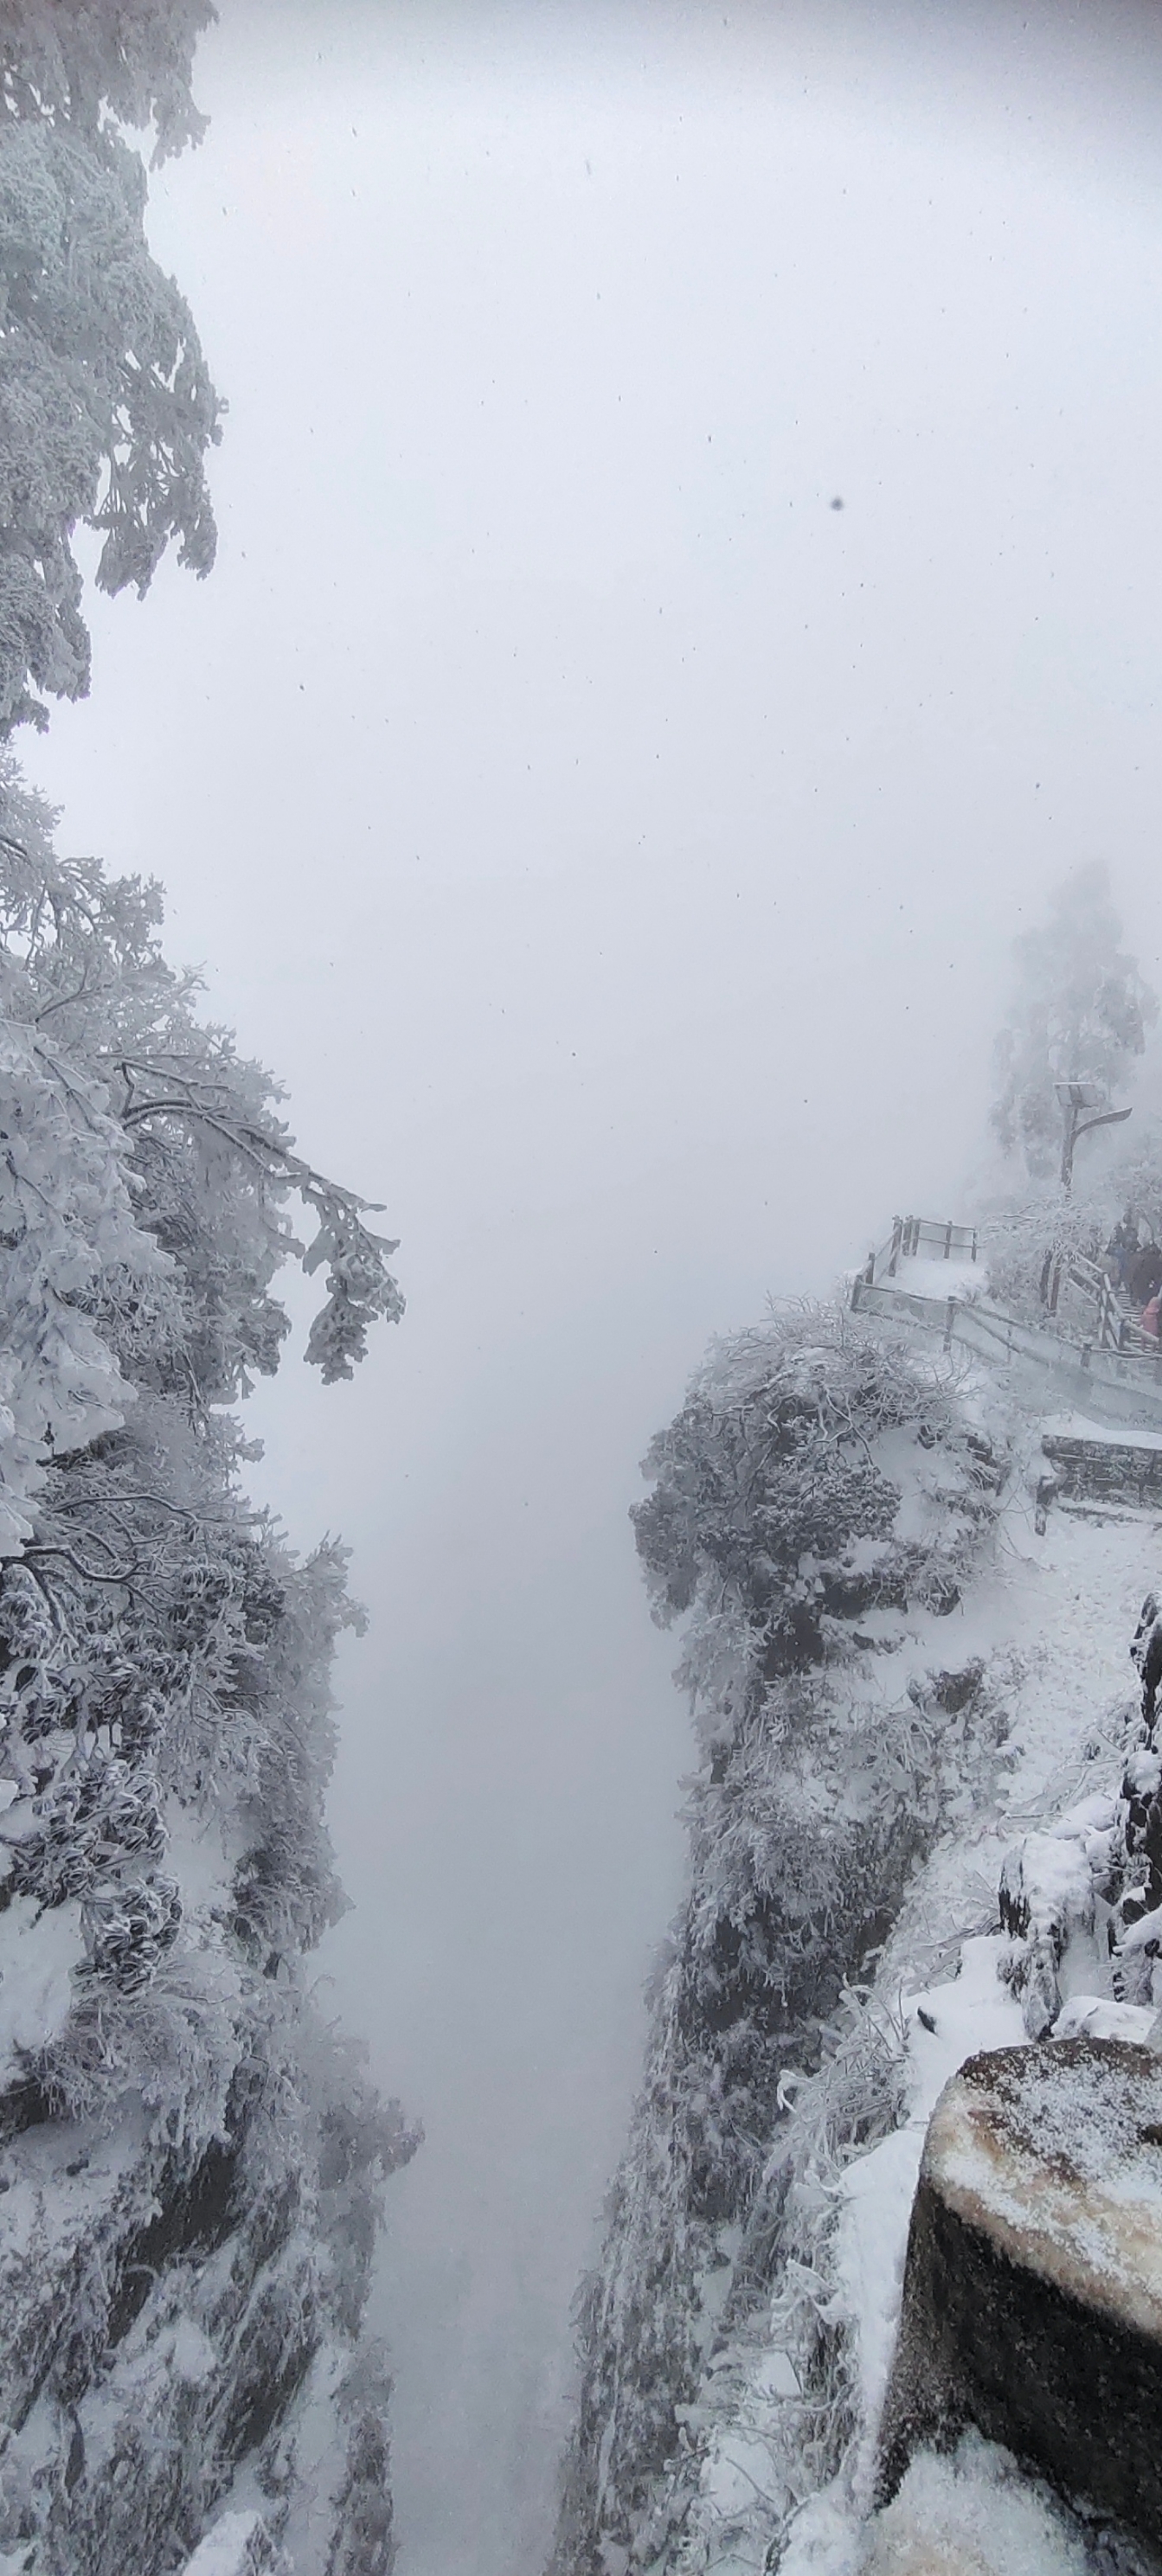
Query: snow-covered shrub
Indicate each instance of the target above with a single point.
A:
(1047, 1897)
(98, 1816)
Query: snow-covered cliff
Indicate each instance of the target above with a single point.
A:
(907, 1651)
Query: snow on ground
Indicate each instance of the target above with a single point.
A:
(974, 2514)
(1081, 1426)
(931, 1276)
(971, 2011)
(237, 2546)
(39, 1950)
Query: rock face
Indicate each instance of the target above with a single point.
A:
(1033, 2288)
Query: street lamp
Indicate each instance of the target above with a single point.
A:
(1078, 1098)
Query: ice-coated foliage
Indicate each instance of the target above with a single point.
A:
(191, 1140)
(1026, 1239)
(1081, 1012)
(106, 405)
(819, 1499)
(90, 62)
(189, 2164)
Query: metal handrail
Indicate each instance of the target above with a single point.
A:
(1116, 1330)
(1125, 1383)
(910, 1235)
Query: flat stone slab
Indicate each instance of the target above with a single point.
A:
(1033, 2286)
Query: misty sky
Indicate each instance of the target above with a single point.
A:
(615, 846)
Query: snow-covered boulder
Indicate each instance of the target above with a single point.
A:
(1033, 2287)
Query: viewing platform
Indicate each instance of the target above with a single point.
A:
(929, 1274)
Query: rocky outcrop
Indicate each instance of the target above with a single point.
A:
(1033, 2289)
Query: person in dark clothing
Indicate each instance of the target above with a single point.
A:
(1145, 1274)
(1122, 1246)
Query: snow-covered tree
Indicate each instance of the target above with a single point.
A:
(191, 2160)
(106, 406)
(89, 60)
(165, 1743)
(1080, 1014)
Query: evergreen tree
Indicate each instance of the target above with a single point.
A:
(1080, 1013)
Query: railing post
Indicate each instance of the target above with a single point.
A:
(897, 1233)
(948, 1240)
(974, 1243)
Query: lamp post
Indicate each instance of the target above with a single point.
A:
(1083, 1108)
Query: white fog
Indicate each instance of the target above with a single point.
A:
(687, 589)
